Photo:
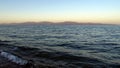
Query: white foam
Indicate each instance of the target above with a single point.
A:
(13, 58)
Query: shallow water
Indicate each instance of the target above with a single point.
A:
(101, 42)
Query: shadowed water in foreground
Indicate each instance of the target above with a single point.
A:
(26, 57)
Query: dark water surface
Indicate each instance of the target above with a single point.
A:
(71, 42)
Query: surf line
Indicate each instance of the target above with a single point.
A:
(13, 58)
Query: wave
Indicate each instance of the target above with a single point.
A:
(13, 58)
(23, 55)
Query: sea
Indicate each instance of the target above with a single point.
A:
(98, 42)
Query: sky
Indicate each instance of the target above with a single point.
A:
(96, 11)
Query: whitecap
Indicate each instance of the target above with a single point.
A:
(13, 58)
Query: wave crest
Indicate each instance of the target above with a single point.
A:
(13, 58)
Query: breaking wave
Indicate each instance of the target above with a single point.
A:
(13, 58)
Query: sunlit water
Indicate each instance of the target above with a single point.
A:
(96, 41)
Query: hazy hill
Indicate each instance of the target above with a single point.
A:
(56, 23)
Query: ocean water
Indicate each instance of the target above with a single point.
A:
(101, 42)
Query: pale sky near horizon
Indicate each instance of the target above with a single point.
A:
(102, 11)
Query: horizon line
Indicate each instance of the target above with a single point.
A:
(61, 22)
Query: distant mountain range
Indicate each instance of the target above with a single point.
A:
(57, 23)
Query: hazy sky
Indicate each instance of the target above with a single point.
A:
(104, 11)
